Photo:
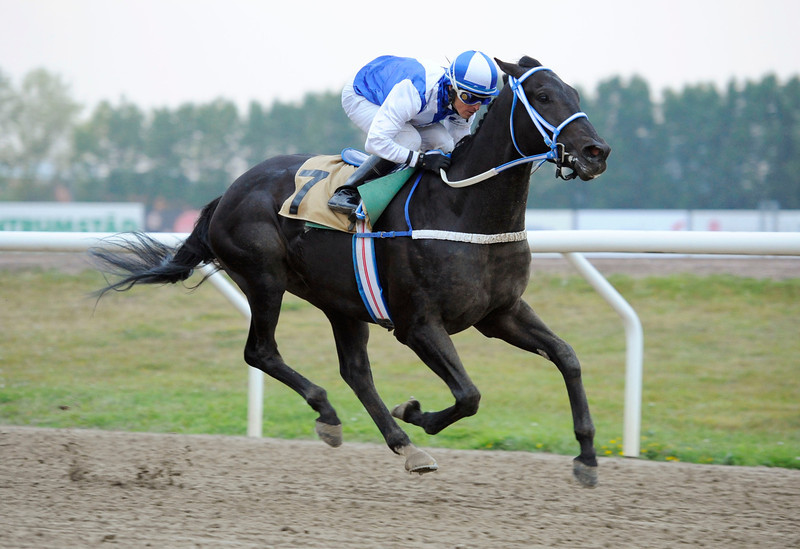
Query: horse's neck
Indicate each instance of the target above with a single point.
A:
(497, 204)
(489, 147)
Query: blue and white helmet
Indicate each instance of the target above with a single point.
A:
(475, 72)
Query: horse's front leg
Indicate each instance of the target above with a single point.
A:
(351, 346)
(434, 347)
(521, 327)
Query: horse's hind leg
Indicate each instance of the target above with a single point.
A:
(351, 346)
(261, 351)
(521, 327)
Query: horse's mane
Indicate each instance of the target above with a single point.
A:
(525, 62)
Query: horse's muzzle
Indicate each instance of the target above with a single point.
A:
(591, 162)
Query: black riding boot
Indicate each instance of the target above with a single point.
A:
(345, 200)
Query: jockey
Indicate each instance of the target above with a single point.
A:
(406, 107)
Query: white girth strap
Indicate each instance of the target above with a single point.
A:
(472, 238)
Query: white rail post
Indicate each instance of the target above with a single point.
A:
(255, 382)
(634, 351)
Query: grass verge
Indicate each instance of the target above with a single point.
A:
(720, 382)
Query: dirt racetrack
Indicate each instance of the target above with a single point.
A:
(81, 488)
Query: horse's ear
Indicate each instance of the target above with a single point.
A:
(529, 62)
(510, 68)
(518, 69)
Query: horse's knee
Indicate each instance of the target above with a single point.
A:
(571, 369)
(567, 361)
(468, 403)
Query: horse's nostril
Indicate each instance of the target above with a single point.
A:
(596, 151)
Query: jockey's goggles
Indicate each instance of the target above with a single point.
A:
(469, 98)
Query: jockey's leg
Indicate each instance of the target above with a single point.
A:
(346, 198)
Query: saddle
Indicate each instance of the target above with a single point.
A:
(320, 176)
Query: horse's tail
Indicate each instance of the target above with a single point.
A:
(147, 261)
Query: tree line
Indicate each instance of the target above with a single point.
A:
(696, 148)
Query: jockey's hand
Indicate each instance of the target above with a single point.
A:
(434, 161)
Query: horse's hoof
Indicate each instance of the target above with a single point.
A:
(418, 461)
(401, 410)
(330, 434)
(585, 474)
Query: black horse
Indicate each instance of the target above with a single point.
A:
(433, 288)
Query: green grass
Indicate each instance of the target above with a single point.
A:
(721, 370)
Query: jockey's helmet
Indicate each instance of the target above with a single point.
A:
(475, 72)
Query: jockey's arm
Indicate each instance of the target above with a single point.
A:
(458, 127)
(399, 107)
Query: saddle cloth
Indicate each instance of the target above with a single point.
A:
(320, 176)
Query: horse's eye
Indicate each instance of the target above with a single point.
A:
(542, 98)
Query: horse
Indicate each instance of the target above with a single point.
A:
(433, 287)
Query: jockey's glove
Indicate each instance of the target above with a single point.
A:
(434, 161)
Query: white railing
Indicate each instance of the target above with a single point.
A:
(569, 243)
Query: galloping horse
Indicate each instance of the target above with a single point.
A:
(433, 287)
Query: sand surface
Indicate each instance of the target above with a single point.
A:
(85, 488)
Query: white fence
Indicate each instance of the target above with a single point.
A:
(768, 218)
(569, 243)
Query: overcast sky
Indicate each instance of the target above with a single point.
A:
(166, 52)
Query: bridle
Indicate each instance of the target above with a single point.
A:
(557, 152)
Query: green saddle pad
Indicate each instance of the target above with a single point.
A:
(379, 192)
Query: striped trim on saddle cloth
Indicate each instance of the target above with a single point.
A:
(369, 285)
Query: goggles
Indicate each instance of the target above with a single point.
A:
(469, 98)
